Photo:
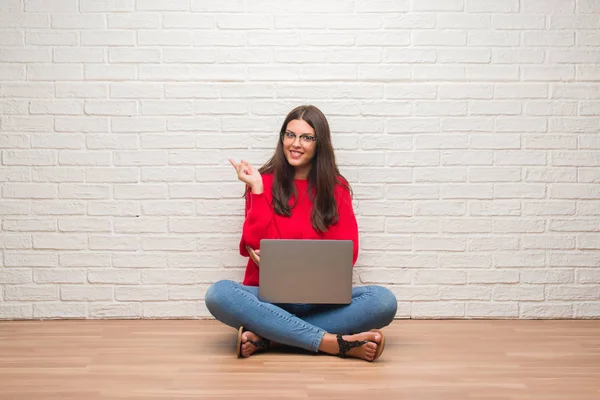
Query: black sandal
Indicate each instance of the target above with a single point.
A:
(259, 344)
(345, 345)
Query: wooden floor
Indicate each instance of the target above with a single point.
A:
(489, 360)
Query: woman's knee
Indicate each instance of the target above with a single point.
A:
(216, 294)
(387, 304)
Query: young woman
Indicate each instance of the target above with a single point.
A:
(300, 194)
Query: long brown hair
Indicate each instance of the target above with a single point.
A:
(323, 177)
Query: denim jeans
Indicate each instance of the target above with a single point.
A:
(300, 325)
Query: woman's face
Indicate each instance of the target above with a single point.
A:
(299, 144)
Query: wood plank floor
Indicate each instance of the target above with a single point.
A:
(162, 359)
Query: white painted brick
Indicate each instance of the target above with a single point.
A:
(548, 6)
(589, 175)
(83, 191)
(439, 38)
(13, 107)
(416, 55)
(496, 6)
(549, 207)
(553, 276)
(466, 191)
(85, 293)
(588, 207)
(587, 310)
(206, 124)
(588, 276)
(136, 20)
(140, 225)
(517, 56)
(80, 260)
(548, 242)
(248, 21)
(440, 208)
(573, 259)
(168, 243)
(465, 261)
(29, 157)
(104, 72)
(492, 310)
(16, 311)
(566, 124)
(60, 310)
(49, 207)
(550, 108)
(547, 73)
(170, 141)
(114, 276)
(82, 158)
(11, 38)
(31, 293)
(157, 5)
(115, 310)
(492, 38)
(139, 158)
(220, 38)
(462, 21)
(20, 20)
(58, 174)
(588, 241)
(439, 243)
(518, 293)
(15, 174)
(15, 241)
(404, 225)
(136, 91)
(113, 242)
(445, 174)
(59, 276)
(412, 192)
(458, 55)
(187, 292)
(30, 259)
(75, 55)
(467, 157)
(588, 39)
(170, 276)
(203, 207)
(519, 22)
(578, 158)
(494, 174)
(471, 124)
(388, 242)
(433, 310)
(15, 276)
(574, 191)
(146, 293)
(29, 191)
(519, 190)
(29, 225)
(519, 225)
(184, 20)
(466, 225)
(573, 293)
(59, 241)
(81, 90)
(77, 21)
(142, 260)
(549, 311)
(574, 22)
(140, 191)
(26, 124)
(545, 174)
(14, 207)
(495, 208)
(492, 276)
(84, 224)
(439, 73)
(106, 5)
(465, 293)
(550, 142)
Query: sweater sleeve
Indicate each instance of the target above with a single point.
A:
(347, 227)
(259, 222)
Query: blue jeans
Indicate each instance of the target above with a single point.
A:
(300, 325)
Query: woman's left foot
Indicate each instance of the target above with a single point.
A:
(249, 342)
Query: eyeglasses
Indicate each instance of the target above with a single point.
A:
(306, 139)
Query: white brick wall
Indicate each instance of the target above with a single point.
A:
(469, 129)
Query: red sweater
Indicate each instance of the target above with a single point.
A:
(263, 223)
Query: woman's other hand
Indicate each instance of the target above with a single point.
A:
(254, 254)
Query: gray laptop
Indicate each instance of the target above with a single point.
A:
(306, 271)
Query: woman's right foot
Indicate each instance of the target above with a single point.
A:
(366, 351)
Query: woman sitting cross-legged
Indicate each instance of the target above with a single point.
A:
(300, 194)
